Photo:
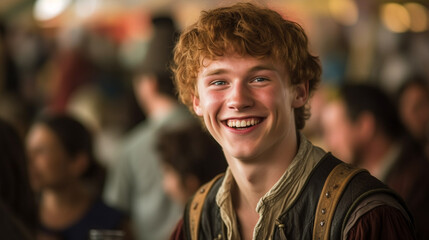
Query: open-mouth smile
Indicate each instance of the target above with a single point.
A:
(243, 123)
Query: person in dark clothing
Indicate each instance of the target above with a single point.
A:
(367, 128)
(67, 178)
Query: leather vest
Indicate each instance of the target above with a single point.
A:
(297, 221)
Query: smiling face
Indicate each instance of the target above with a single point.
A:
(247, 105)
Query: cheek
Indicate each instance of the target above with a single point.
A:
(45, 171)
(337, 136)
(211, 101)
(53, 166)
(277, 102)
(277, 96)
(40, 163)
(210, 106)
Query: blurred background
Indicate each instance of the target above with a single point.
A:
(78, 55)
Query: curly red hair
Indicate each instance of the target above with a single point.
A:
(245, 29)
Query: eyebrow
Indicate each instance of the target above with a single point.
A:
(219, 71)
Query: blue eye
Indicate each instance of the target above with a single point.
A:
(218, 83)
(260, 79)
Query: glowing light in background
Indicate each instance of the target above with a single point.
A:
(85, 8)
(418, 16)
(344, 11)
(48, 9)
(395, 17)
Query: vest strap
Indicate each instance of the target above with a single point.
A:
(331, 193)
(196, 206)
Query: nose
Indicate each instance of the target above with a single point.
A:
(240, 98)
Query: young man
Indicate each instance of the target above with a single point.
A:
(248, 74)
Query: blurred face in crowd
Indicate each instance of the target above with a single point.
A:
(339, 133)
(178, 189)
(248, 104)
(49, 164)
(414, 111)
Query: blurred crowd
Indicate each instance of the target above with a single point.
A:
(93, 136)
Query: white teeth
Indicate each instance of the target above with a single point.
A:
(242, 123)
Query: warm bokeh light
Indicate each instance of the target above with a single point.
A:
(395, 17)
(45, 10)
(85, 8)
(344, 11)
(419, 17)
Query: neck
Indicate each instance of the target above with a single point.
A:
(61, 208)
(66, 197)
(255, 178)
(373, 155)
(160, 106)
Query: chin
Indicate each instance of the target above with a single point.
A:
(243, 156)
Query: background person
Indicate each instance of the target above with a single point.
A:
(363, 126)
(413, 106)
(66, 177)
(190, 157)
(134, 183)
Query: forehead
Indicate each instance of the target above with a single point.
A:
(42, 134)
(236, 63)
(415, 89)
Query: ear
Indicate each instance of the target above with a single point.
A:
(196, 105)
(79, 164)
(300, 93)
